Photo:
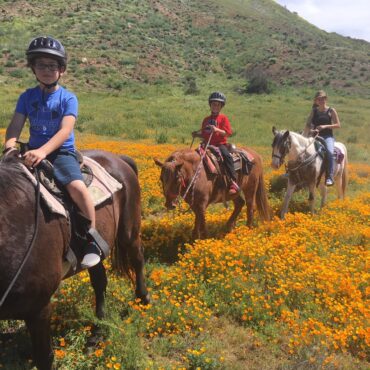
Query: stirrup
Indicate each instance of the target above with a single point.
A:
(92, 256)
(100, 243)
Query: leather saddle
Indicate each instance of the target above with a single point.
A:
(213, 161)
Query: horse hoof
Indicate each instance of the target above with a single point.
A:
(145, 299)
(100, 314)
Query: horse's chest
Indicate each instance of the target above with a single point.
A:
(303, 175)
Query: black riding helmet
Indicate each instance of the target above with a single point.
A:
(46, 46)
(217, 96)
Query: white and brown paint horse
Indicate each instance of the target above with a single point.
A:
(304, 166)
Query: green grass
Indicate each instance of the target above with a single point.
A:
(164, 113)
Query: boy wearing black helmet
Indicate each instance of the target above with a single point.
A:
(218, 125)
(52, 112)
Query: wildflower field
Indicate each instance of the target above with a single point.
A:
(287, 294)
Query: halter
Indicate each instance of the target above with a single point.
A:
(180, 178)
(284, 150)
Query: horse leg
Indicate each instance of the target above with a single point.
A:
(238, 205)
(339, 185)
(324, 193)
(99, 281)
(137, 258)
(288, 196)
(129, 245)
(39, 329)
(200, 227)
(311, 197)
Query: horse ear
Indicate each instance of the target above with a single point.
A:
(158, 162)
(274, 131)
(286, 134)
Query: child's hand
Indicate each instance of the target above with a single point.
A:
(33, 157)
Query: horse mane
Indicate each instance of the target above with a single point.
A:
(184, 155)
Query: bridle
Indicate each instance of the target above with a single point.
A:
(283, 146)
(181, 179)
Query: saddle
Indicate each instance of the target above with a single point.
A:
(101, 186)
(213, 161)
(322, 151)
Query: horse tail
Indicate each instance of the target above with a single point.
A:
(128, 242)
(261, 199)
(345, 174)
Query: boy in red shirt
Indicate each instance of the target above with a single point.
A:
(218, 125)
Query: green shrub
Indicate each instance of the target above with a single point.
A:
(162, 138)
(258, 82)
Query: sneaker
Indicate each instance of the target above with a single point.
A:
(329, 182)
(234, 188)
(91, 257)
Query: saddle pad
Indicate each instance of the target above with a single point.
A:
(248, 155)
(101, 188)
(339, 156)
(53, 204)
(103, 185)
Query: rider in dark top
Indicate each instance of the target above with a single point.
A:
(322, 120)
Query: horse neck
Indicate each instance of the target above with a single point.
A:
(299, 146)
(191, 163)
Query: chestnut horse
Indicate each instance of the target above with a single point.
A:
(118, 221)
(178, 171)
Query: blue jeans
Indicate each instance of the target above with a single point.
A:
(329, 140)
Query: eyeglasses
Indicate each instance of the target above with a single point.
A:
(50, 67)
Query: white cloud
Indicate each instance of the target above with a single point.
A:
(346, 17)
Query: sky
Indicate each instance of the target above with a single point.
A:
(345, 17)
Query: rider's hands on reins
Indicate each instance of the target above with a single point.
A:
(33, 157)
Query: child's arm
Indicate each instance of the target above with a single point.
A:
(14, 130)
(220, 131)
(197, 133)
(34, 157)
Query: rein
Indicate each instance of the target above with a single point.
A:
(198, 168)
(32, 243)
(304, 163)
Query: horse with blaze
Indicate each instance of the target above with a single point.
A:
(26, 226)
(183, 174)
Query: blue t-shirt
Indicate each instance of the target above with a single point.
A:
(45, 113)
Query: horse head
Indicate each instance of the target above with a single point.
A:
(172, 180)
(10, 155)
(280, 147)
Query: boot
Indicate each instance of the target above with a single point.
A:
(234, 188)
(91, 256)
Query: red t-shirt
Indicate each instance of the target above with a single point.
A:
(220, 121)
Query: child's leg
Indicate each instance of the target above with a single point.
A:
(82, 198)
(229, 163)
(68, 174)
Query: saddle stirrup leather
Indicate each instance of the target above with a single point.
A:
(101, 243)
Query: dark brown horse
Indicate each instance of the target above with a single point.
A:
(178, 171)
(118, 221)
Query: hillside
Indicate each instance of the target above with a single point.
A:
(113, 44)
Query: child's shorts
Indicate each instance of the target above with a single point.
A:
(66, 166)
